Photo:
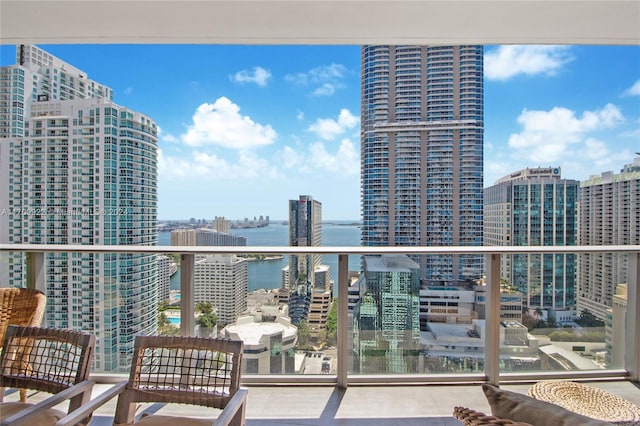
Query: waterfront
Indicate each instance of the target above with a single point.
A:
(266, 274)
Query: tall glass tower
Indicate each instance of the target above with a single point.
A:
(422, 153)
(76, 168)
(536, 207)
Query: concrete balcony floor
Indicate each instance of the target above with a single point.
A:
(355, 406)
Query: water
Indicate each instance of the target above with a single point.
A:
(266, 274)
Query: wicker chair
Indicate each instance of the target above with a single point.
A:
(178, 370)
(470, 417)
(20, 306)
(47, 360)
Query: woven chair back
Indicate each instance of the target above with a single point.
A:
(45, 359)
(180, 369)
(20, 306)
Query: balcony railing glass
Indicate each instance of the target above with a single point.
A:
(389, 329)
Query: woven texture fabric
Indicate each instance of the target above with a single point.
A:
(20, 306)
(588, 401)
(189, 370)
(45, 359)
(470, 417)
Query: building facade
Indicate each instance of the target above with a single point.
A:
(305, 274)
(386, 328)
(609, 215)
(222, 280)
(536, 207)
(80, 169)
(422, 128)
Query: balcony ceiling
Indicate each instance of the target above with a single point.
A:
(321, 21)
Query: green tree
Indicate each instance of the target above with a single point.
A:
(332, 323)
(304, 334)
(588, 319)
(206, 317)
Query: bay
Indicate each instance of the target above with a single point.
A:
(267, 274)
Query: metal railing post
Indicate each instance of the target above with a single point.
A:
(187, 322)
(492, 320)
(632, 347)
(343, 326)
(35, 270)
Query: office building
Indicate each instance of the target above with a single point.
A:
(422, 153)
(305, 273)
(222, 280)
(79, 169)
(609, 215)
(386, 326)
(536, 207)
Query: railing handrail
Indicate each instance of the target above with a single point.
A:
(101, 248)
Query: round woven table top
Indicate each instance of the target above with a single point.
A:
(588, 401)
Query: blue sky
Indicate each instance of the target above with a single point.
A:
(246, 128)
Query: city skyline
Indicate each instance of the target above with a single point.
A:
(576, 107)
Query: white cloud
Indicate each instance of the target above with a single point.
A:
(300, 115)
(329, 129)
(327, 89)
(508, 61)
(345, 161)
(634, 90)
(317, 159)
(326, 79)
(169, 138)
(257, 75)
(202, 165)
(222, 124)
(547, 135)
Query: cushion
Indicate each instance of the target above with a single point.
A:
(44, 418)
(523, 408)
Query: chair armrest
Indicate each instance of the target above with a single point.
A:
(237, 402)
(87, 409)
(49, 402)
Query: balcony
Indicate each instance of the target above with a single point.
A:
(484, 360)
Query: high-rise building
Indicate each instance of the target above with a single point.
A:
(205, 237)
(609, 215)
(40, 76)
(422, 153)
(222, 280)
(305, 230)
(386, 330)
(536, 207)
(306, 285)
(164, 279)
(221, 224)
(79, 169)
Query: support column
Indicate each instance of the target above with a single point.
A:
(492, 321)
(343, 326)
(632, 347)
(187, 322)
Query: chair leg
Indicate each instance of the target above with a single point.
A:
(23, 395)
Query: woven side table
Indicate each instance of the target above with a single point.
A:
(588, 401)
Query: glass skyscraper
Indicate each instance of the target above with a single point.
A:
(422, 153)
(76, 168)
(536, 207)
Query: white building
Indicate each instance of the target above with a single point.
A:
(609, 215)
(269, 347)
(447, 304)
(222, 280)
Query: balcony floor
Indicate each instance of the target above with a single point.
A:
(356, 406)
